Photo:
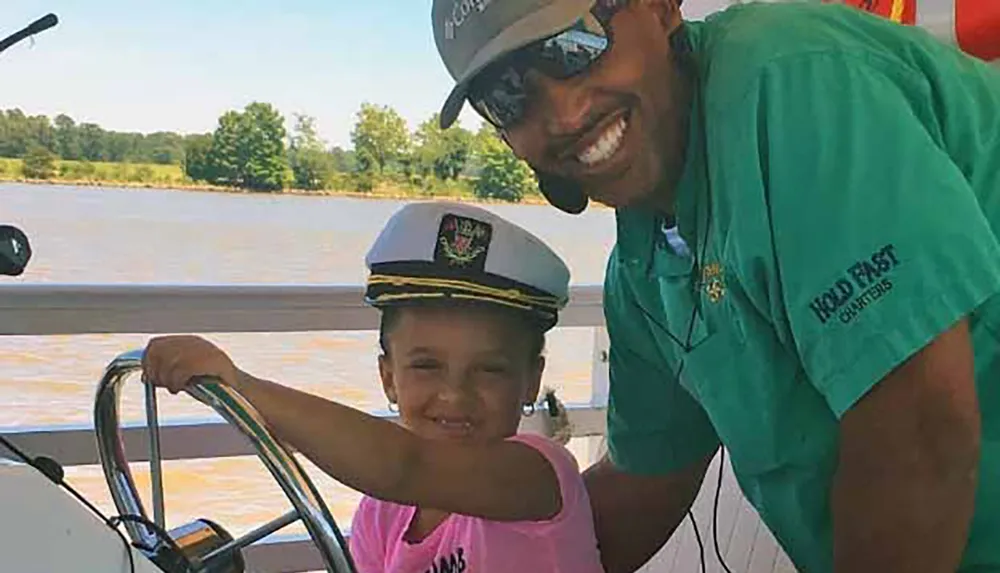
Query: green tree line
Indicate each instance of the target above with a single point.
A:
(66, 139)
(252, 149)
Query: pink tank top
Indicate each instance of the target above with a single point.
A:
(461, 544)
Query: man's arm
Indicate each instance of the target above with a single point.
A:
(909, 450)
(882, 248)
(635, 515)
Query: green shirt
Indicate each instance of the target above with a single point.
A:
(841, 200)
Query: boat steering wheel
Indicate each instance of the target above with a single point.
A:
(203, 546)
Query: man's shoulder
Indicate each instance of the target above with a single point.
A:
(618, 296)
(615, 274)
(736, 46)
(632, 241)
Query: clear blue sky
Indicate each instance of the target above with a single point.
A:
(176, 65)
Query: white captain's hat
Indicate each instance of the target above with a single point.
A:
(446, 251)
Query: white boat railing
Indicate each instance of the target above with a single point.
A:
(58, 309)
(43, 309)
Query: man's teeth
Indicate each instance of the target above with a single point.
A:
(606, 145)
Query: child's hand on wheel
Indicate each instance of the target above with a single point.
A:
(174, 362)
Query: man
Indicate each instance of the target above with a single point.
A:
(807, 199)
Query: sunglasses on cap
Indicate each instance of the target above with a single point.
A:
(499, 92)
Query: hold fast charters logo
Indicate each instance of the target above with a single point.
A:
(861, 285)
(460, 12)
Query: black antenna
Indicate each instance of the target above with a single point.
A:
(15, 250)
(36, 27)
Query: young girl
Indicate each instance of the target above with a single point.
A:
(466, 299)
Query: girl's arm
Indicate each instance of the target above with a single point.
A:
(502, 481)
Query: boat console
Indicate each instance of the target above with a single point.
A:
(45, 530)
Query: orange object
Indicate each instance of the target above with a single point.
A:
(977, 22)
(901, 11)
(977, 27)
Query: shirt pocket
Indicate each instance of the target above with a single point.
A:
(754, 391)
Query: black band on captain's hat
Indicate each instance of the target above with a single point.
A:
(428, 270)
(407, 283)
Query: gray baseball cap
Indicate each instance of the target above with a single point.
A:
(472, 34)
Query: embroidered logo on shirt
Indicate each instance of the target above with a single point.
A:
(862, 284)
(712, 281)
(454, 563)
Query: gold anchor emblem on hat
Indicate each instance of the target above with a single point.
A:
(711, 277)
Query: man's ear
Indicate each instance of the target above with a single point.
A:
(666, 12)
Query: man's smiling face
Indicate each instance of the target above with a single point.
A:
(620, 128)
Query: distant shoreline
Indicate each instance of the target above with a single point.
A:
(384, 193)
